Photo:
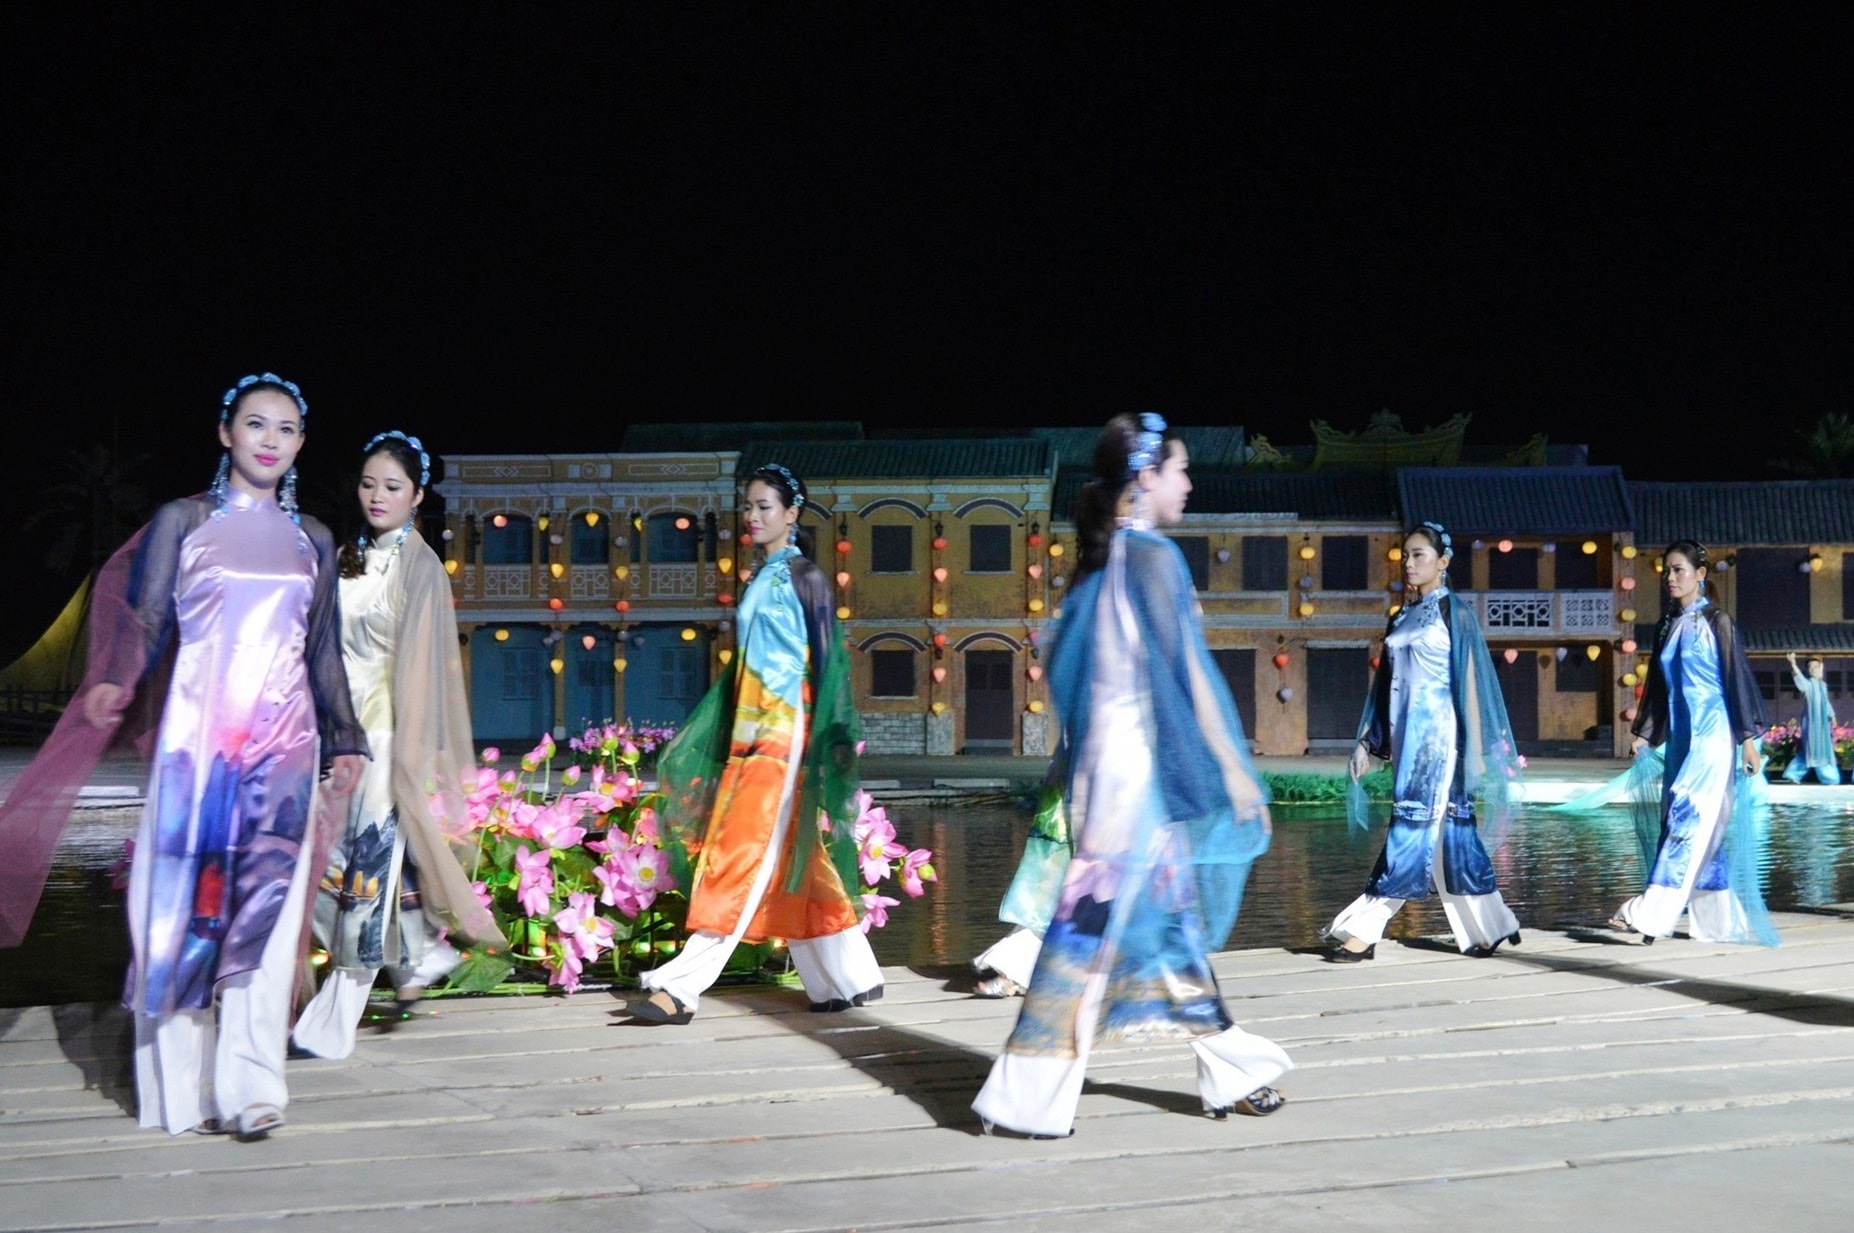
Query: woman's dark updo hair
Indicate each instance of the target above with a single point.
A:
(1096, 508)
(792, 493)
(352, 559)
(1694, 552)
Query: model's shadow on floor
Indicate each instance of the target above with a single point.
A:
(98, 1038)
(1817, 1010)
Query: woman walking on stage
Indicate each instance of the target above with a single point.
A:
(256, 707)
(765, 758)
(1702, 709)
(1434, 710)
(1165, 812)
(391, 881)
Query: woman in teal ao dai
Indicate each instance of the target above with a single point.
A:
(1702, 838)
(1817, 750)
(1165, 812)
(1436, 712)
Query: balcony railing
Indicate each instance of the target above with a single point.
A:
(1547, 613)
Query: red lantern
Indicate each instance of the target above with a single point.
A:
(1281, 659)
(1639, 691)
(726, 597)
(556, 603)
(939, 543)
(843, 547)
(939, 640)
(1374, 663)
(623, 605)
(746, 537)
(1036, 541)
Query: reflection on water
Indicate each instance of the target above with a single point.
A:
(1554, 872)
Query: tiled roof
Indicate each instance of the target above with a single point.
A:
(1739, 514)
(1523, 500)
(994, 457)
(1224, 446)
(710, 436)
(1361, 495)
(1824, 639)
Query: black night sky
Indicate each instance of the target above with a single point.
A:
(517, 227)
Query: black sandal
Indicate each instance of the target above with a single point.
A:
(647, 1011)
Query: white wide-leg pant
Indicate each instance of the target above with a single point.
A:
(1012, 956)
(1475, 920)
(328, 1024)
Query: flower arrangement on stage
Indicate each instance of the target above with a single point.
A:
(1783, 742)
(571, 863)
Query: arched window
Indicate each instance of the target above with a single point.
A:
(508, 539)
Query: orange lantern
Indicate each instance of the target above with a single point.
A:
(1281, 659)
(556, 603)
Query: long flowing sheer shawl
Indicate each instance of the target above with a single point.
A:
(689, 768)
(1487, 758)
(1207, 825)
(434, 758)
(130, 627)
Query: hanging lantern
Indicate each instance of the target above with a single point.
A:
(556, 569)
(939, 607)
(939, 708)
(592, 517)
(1281, 659)
(1035, 571)
(588, 641)
(1055, 549)
(499, 521)
(619, 664)
(1639, 689)
(725, 598)
(1563, 653)
(450, 567)
(1374, 663)
(939, 674)
(1815, 562)
(1628, 715)
(1223, 556)
(502, 635)
(1510, 655)
(1306, 609)
(725, 655)
(1395, 554)
(1505, 545)
(619, 541)
(1285, 693)
(1627, 615)
(843, 577)
(1593, 651)
(843, 612)
(623, 605)
(1058, 582)
(746, 537)
(682, 523)
(1306, 552)
(1036, 706)
(542, 523)
(446, 535)
(1628, 552)
(557, 665)
(843, 547)
(1036, 605)
(621, 572)
(1034, 672)
(939, 544)
(1628, 584)
(724, 565)
(1036, 539)
(1590, 547)
(1628, 646)
(1629, 678)
(556, 603)
(939, 640)
(1548, 548)
(939, 573)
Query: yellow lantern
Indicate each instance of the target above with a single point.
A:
(1055, 550)
(1036, 605)
(1593, 651)
(939, 708)
(939, 607)
(1589, 547)
(618, 665)
(592, 517)
(502, 635)
(1395, 554)
(450, 567)
(1628, 552)
(556, 569)
(558, 665)
(622, 572)
(726, 656)
(688, 633)
(1627, 615)
(843, 612)
(541, 523)
(725, 565)
(1306, 609)
(1036, 707)
(1306, 552)
(1629, 679)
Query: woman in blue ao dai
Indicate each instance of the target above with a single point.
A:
(1436, 712)
(1701, 706)
(1164, 809)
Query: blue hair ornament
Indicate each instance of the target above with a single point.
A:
(1448, 544)
(262, 378)
(424, 459)
(791, 481)
(1148, 443)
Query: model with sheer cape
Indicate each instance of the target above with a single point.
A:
(393, 894)
(1004, 967)
(230, 597)
(1164, 809)
(1702, 813)
(1435, 711)
(1816, 751)
(758, 786)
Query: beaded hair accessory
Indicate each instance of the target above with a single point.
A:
(1448, 544)
(424, 459)
(1147, 444)
(791, 481)
(262, 378)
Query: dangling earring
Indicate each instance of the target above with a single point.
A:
(219, 487)
(791, 535)
(286, 496)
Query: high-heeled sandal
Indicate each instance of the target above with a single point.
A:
(651, 1011)
(1339, 954)
(1259, 1103)
(257, 1121)
(1622, 926)
(1485, 950)
(997, 985)
(988, 1127)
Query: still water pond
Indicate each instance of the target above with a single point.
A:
(1554, 871)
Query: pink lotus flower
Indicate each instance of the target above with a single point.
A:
(875, 910)
(582, 929)
(648, 870)
(564, 966)
(556, 826)
(491, 756)
(570, 776)
(482, 894)
(615, 887)
(644, 828)
(875, 840)
(534, 888)
(915, 870)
